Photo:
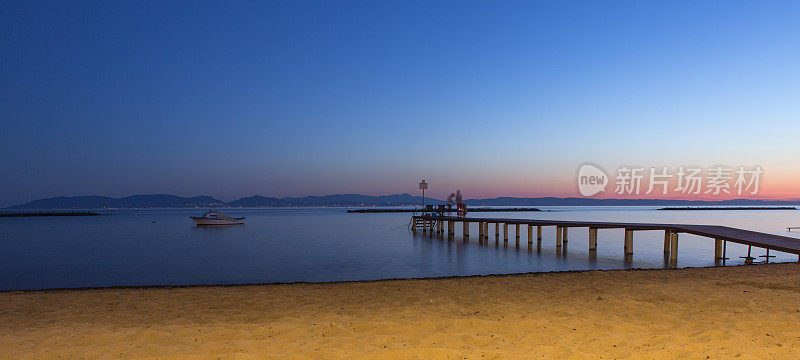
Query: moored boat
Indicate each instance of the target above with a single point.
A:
(213, 217)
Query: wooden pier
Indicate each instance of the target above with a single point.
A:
(720, 234)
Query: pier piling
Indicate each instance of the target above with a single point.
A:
(592, 239)
(673, 251)
(558, 236)
(530, 234)
(628, 241)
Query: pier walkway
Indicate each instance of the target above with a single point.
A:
(721, 234)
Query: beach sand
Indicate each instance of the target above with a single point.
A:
(747, 312)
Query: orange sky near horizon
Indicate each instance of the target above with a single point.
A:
(773, 185)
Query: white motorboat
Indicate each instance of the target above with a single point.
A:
(213, 217)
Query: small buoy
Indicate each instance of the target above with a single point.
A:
(154, 221)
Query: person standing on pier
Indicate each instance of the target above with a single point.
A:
(462, 209)
(450, 202)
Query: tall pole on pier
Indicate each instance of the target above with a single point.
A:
(422, 186)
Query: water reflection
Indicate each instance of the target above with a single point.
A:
(286, 245)
(628, 260)
(218, 229)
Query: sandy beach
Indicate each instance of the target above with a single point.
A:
(747, 312)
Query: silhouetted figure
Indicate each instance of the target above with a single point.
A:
(450, 202)
(460, 206)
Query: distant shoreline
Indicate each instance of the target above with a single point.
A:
(159, 201)
(732, 208)
(37, 214)
(422, 210)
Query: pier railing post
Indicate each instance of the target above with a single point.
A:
(592, 239)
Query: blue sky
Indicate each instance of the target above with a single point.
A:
(289, 98)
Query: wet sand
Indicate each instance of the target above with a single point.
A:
(747, 312)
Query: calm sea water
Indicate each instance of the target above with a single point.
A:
(163, 247)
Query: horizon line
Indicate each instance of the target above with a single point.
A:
(435, 198)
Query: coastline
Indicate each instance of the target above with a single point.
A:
(745, 311)
(730, 208)
(48, 213)
(344, 282)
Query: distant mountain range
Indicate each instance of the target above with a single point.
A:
(333, 200)
(134, 201)
(173, 201)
